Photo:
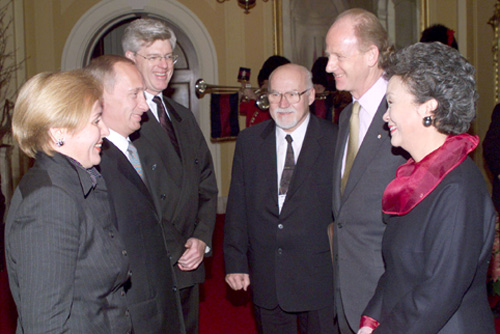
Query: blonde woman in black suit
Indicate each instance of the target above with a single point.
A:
(65, 259)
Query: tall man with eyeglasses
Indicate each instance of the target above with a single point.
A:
(176, 161)
(279, 207)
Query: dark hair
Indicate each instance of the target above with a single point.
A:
(269, 66)
(320, 76)
(439, 33)
(436, 71)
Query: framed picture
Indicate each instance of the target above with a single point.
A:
(300, 26)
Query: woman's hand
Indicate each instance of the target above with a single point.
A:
(365, 330)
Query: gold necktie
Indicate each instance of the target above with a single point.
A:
(352, 145)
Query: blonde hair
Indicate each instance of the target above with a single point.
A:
(52, 100)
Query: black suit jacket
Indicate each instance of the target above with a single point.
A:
(184, 190)
(436, 259)
(153, 298)
(358, 228)
(491, 151)
(287, 255)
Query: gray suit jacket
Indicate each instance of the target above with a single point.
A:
(358, 227)
(66, 261)
(184, 190)
(153, 298)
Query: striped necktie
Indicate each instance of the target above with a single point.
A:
(134, 159)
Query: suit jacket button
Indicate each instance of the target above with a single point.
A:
(174, 289)
(163, 196)
(196, 161)
(124, 252)
(280, 251)
(340, 225)
(280, 226)
(153, 167)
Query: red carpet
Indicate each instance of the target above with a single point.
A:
(8, 314)
(222, 310)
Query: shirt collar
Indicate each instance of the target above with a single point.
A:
(298, 134)
(118, 140)
(370, 101)
(149, 97)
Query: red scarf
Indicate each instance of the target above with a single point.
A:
(414, 181)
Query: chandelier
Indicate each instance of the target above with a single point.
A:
(245, 4)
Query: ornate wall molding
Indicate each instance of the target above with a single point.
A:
(494, 22)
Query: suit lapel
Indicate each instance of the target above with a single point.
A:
(309, 153)
(157, 137)
(374, 139)
(269, 163)
(123, 166)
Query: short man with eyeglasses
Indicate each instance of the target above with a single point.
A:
(279, 207)
(176, 162)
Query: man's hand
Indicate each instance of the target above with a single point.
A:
(238, 281)
(193, 255)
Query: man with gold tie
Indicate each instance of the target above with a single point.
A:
(364, 164)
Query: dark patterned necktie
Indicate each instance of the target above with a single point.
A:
(166, 123)
(286, 176)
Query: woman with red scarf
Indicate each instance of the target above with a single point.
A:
(440, 218)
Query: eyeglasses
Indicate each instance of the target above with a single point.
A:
(170, 58)
(292, 97)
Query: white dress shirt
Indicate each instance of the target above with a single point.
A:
(119, 141)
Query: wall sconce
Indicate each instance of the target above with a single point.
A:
(245, 4)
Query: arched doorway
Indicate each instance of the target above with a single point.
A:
(186, 69)
(110, 14)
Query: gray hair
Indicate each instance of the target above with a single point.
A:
(436, 71)
(144, 32)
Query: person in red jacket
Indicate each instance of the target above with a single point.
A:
(254, 114)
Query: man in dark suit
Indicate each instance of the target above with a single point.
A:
(153, 298)
(279, 207)
(176, 161)
(364, 162)
(491, 152)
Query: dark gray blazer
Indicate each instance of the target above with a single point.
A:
(287, 254)
(358, 227)
(66, 261)
(153, 298)
(436, 259)
(184, 190)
